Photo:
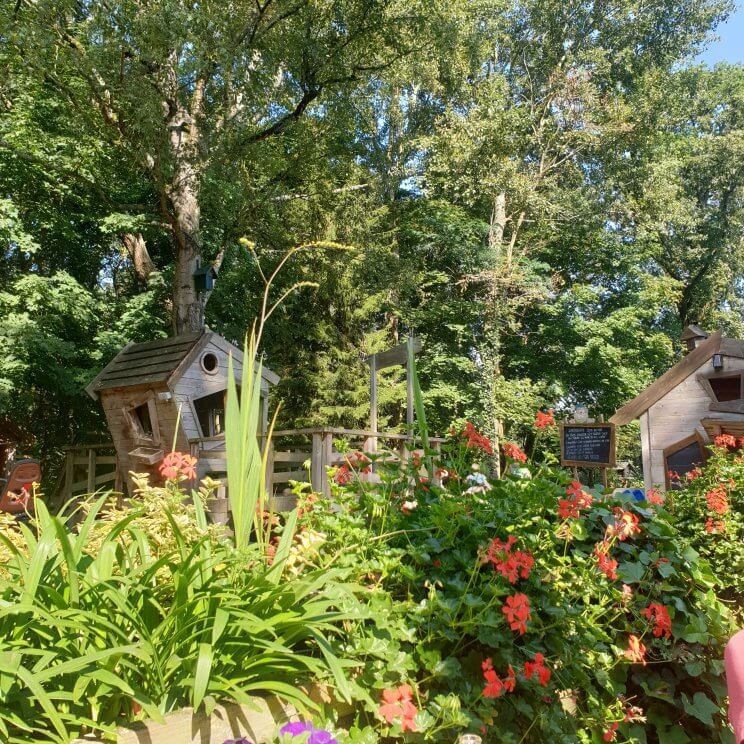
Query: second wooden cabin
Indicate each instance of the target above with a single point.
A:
(699, 398)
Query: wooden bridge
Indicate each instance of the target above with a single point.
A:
(294, 455)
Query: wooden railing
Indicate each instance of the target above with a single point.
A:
(305, 454)
(89, 467)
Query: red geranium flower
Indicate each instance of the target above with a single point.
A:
(725, 440)
(511, 565)
(636, 651)
(694, 474)
(396, 704)
(517, 611)
(493, 686)
(475, 440)
(513, 452)
(610, 734)
(537, 667)
(626, 524)
(605, 564)
(510, 681)
(568, 509)
(342, 475)
(543, 420)
(719, 526)
(655, 497)
(178, 466)
(717, 500)
(660, 616)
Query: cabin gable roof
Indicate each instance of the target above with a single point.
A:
(161, 362)
(692, 361)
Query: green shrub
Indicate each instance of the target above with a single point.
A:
(709, 512)
(438, 585)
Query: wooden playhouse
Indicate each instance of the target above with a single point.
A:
(169, 392)
(699, 398)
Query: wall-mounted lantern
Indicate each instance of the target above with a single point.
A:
(717, 362)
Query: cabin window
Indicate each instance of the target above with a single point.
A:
(682, 457)
(209, 362)
(142, 418)
(210, 411)
(726, 388)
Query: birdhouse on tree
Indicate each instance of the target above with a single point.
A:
(169, 391)
(699, 398)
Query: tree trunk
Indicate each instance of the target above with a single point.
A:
(138, 254)
(185, 211)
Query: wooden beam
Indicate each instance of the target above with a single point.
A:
(373, 393)
(669, 380)
(398, 355)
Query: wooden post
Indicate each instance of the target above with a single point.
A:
(269, 444)
(118, 484)
(373, 393)
(69, 474)
(409, 384)
(316, 463)
(91, 487)
(326, 458)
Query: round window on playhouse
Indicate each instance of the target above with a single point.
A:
(209, 363)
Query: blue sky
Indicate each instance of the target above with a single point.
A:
(730, 46)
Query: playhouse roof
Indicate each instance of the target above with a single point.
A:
(162, 361)
(714, 344)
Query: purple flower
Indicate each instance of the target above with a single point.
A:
(242, 740)
(317, 736)
(296, 728)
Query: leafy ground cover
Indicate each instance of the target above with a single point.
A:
(438, 600)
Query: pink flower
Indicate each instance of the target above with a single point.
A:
(178, 466)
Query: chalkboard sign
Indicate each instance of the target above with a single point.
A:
(588, 445)
(681, 458)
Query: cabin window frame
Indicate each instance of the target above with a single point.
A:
(202, 359)
(680, 445)
(139, 435)
(725, 406)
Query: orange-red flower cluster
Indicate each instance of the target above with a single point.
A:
(626, 525)
(359, 461)
(397, 704)
(513, 452)
(544, 419)
(717, 499)
(694, 474)
(636, 651)
(660, 616)
(511, 564)
(537, 667)
(611, 733)
(178, 466)
(475, 440)
(718, 526)
(494, 684)
(655, 497)
(343, 475)
(725, 440)
(517, 611)
(578, 499)
(605, 564)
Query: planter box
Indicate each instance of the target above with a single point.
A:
(259, 722)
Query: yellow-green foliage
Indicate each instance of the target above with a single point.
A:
(155, 508)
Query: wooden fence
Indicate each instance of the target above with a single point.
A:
(88, 468)
(294, 455)
(306, 454)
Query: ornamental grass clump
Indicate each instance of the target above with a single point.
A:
(140, 611)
